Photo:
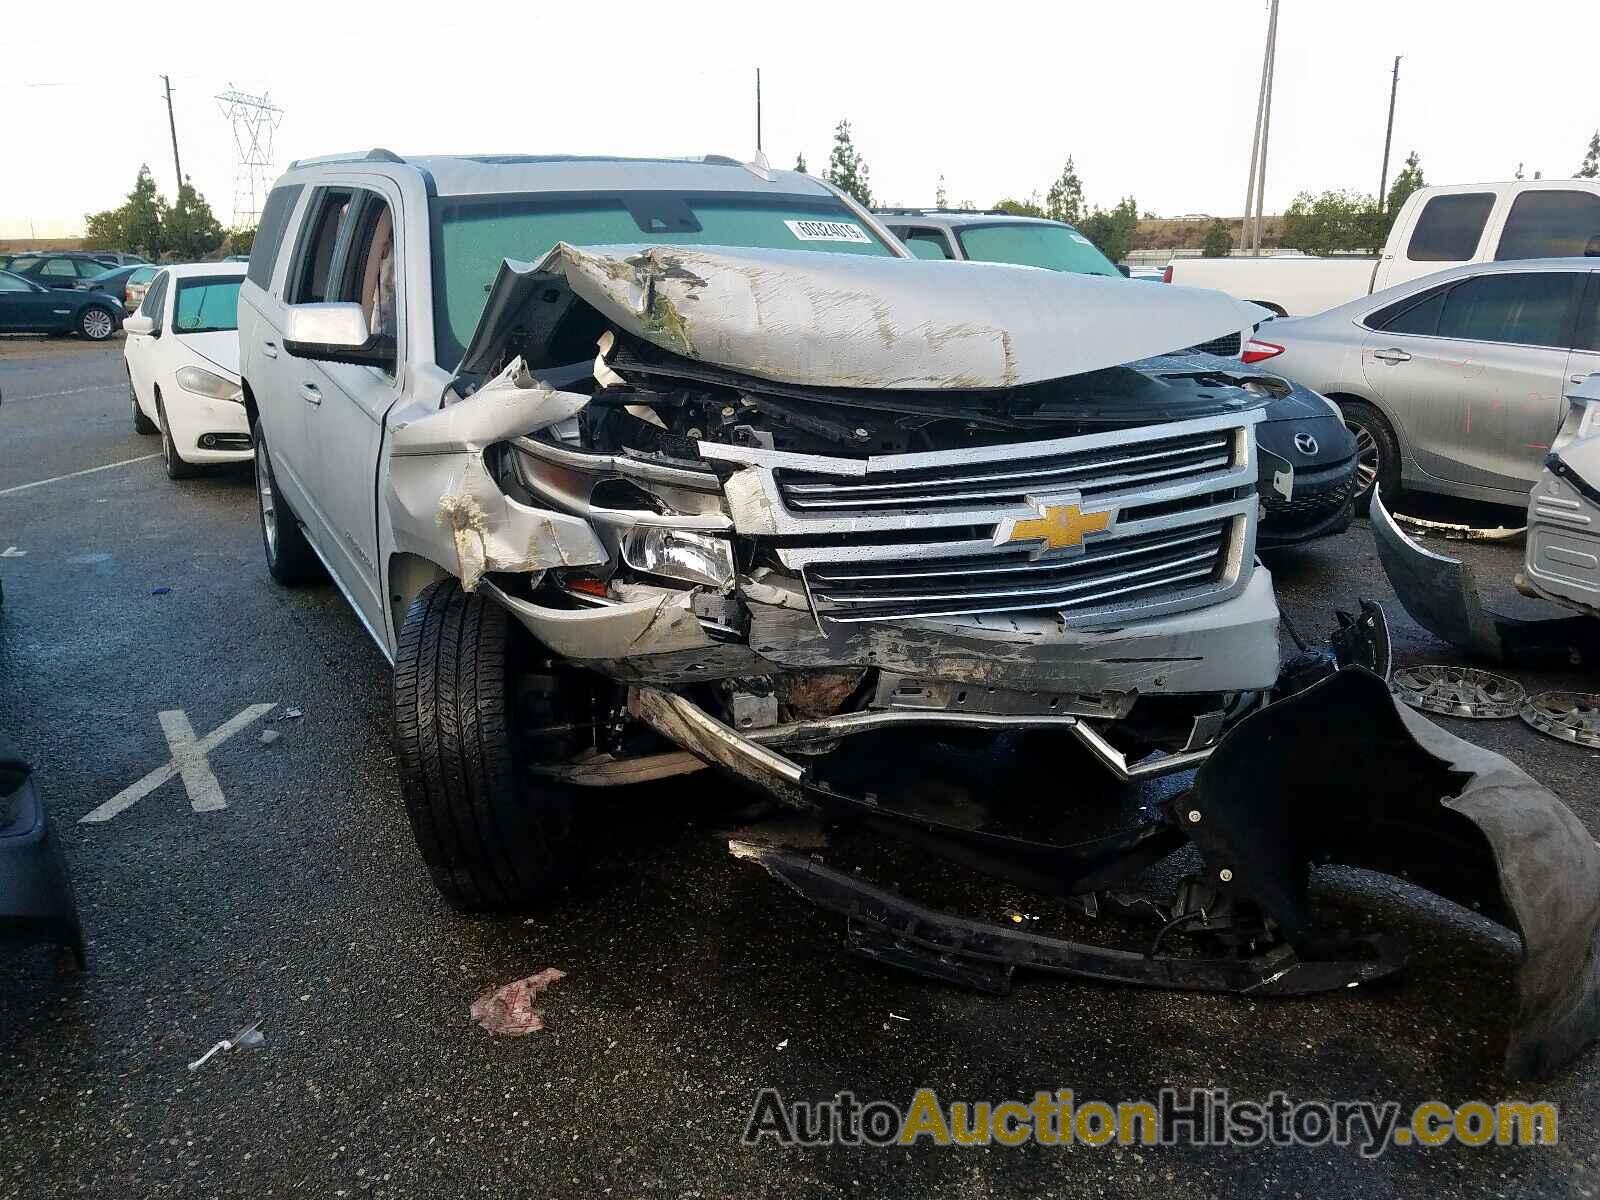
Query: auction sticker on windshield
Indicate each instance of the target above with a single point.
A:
(828, 231)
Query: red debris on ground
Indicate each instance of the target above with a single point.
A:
(508, 1011)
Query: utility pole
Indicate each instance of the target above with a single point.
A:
(173, 126)
(758, 110)
(1388, 135)
(1249, 229)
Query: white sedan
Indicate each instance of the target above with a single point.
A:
(182, 355)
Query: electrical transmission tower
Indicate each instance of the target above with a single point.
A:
(254, 118)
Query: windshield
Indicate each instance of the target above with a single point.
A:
(472, 234)
(207, 305)
(1035, 244)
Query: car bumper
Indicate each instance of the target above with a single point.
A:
(1321, 504)
(206, 430)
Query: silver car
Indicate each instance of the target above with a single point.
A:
(1453, 383)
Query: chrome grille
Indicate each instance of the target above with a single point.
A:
(1119, 574)
(1009, 482)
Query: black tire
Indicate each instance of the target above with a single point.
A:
(141, 423)
(290, 558)
(1377, 450)
(493, 837)
(97, 322)
(177, 467)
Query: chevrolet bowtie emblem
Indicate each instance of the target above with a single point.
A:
(1058, 527)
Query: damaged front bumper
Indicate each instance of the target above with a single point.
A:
(1379, 787)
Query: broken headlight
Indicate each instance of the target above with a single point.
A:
(204, 383)
(697, 558)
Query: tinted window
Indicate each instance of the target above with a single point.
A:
(10, 283)
(1449, 228)
(269, 233)
(150, 306)
(1414, 314)
(1588, 335)
(926, 243)
(1035, 244)
(1550, 225)
(1527, 308)
(59, 268)
(22, 264)
(206, 305)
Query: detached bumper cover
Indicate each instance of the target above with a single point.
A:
(1380, 787)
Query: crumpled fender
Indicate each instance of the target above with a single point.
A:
(1379, 786)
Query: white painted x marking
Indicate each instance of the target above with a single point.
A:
(188, 761)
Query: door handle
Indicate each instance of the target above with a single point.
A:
(1581, 378)
(270, 349)
(1392, 355)
(310, 393)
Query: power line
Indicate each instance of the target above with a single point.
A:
(254, 119)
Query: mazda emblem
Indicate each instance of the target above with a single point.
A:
(1305, 443)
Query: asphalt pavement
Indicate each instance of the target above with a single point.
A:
(295, 898)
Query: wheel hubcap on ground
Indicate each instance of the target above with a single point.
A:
(97, 324)
(269, 513)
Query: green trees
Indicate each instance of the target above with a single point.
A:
(1021, 208)
(1112, 230)
(1409, 180)
(146, 225)
(1590, 167)
(800, 163)
(847, 171)
(1064, 200)
(1334, 221)
(1219, 240)
(191, 230)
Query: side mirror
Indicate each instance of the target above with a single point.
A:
(335, 333)
(139, 325)
(1127, 271)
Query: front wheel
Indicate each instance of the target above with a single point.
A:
(1377, 452)
(493, 835)
(141, 423)
(177, 466)
(96, 323)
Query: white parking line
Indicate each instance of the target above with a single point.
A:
(188, 759)
(22, 487)
(94, 387)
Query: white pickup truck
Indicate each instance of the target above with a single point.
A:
(1437, 227)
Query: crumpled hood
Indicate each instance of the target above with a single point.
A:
(853, 321)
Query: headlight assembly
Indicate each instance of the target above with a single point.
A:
(696, 558)
(204, 383)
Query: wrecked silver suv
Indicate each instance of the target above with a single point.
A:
(634, 469)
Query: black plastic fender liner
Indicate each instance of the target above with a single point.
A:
(1341, 772)
(37, 903)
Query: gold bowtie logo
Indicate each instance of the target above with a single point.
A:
(1058, 526)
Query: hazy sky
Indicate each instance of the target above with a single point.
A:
(1151, 99)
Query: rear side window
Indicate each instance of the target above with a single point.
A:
(1525, 308)
(1415, 314)
(926, 243)
(59, 268)
(1551, 225)
(1588, 336)
(1449, 227)
(269, 233)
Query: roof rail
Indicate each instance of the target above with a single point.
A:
(928, 209)
(376, 154)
